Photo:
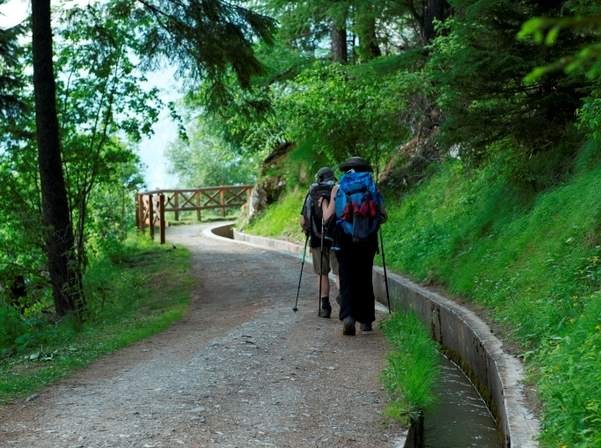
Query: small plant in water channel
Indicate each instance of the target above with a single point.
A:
(413, 367)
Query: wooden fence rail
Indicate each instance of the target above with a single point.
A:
(152, 205)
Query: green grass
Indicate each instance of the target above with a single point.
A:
(413, 367)
(282, 220)
(134, 292)
(534, 259)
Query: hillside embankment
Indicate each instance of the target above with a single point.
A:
(529, 260)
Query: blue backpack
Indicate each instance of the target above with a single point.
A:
(358, 206)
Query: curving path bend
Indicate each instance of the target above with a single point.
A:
(241, 370)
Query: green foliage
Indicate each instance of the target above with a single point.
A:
(521, 254)
(103, 111)
(413, 366)
(102, 102)
(478, 68)
(247, 122)
(569, 377)
(124, 306)
(11, 79)
(205, 37)
(205, 159)
(345, 113)
(306, 24)
(547, 30)
(512, 221)
(101, 52)
(11, 327)
(328, 111)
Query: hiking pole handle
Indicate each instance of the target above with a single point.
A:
(300, 278)
(385, 271)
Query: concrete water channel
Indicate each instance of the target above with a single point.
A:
(462, 418)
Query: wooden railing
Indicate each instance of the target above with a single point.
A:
(152, 205)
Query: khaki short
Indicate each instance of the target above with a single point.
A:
(329, 261)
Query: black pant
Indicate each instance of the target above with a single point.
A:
(356, 261)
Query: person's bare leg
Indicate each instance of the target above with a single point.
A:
(325, 308)
(337, 283)
(325, 286)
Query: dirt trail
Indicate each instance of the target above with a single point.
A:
(241, 370)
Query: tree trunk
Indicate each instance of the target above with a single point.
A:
(434, 10)
(64, 275)
(366, 30)
(339, 45)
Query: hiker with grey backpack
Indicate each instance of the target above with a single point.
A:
(316, 230)
(358, 210)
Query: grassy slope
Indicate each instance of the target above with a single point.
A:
(282, 220)
(535, 260)
(413, 367)
(127, 305)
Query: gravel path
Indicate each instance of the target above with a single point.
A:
(241, 370)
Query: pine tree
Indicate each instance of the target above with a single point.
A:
(479, 67)
(11, 77)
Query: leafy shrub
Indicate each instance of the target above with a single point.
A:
(11, 327)
(569, 378)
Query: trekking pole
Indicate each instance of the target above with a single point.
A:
(385, 271)
(320, 267)
(295, 309)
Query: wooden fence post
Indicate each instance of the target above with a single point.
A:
(142, 213)
(137, 211)
(198, 205)
(162, 216)
(222, 200)
(151, 216)
(176, 204)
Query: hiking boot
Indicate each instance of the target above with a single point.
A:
(366, 327)
(325, 310)
(348, 326)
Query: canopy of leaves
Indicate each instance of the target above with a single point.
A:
(479, 67)
(103, 110)
(11, 78)
(204, 37)
(206, 160)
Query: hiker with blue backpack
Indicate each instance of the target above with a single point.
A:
(359, 211)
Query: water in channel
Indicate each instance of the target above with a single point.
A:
(460, 419)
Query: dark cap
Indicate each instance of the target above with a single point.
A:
(325, 174)
(355, 163)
